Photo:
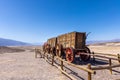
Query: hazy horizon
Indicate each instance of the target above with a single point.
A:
(35, 21)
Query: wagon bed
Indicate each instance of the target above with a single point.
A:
(69, 45)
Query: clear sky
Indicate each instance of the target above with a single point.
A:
(37, 20)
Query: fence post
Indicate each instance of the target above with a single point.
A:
(35, 53)
(47, 56)
(110, 63)
(118, 55)
(40, 54)
(93, 56)
(52, 59)
(44, 54)
(89, 74)
(61, 64)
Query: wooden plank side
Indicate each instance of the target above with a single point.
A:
(80, 40)
(67, 40)
(62, 39)
(75, 40)
(52, 41)
(71, 39)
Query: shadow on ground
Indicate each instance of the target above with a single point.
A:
(93, 62)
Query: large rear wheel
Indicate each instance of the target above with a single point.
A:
(70, 54)
(85, 54)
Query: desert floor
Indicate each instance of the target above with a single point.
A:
(105, 49)
(24, 66)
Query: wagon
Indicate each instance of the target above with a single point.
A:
(70, 46)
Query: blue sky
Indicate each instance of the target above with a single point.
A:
(37, 20)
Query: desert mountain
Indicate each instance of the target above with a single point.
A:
(9, 42)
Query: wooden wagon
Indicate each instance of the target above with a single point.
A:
(70, 45)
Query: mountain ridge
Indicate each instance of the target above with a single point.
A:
(10, 42)
(103, 41)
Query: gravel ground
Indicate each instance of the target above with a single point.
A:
(23, 66)
(105, 49)
(4, 49)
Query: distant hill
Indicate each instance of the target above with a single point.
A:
(40, 43)
(9, 42)
(104, 42)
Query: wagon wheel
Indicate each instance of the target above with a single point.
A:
(58, 50)
(70, 55)
(85, 54)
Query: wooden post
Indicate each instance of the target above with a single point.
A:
(40, 54)
(93, 56)
(89, 74)
(52, 59)
(61, 64)
(47, 56)
(44, 54)
(118, 55)
(35, 53)
(110, 63)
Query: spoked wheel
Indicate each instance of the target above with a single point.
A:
(69, 55)
(85, 54)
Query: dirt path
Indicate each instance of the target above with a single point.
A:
(23, 66)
